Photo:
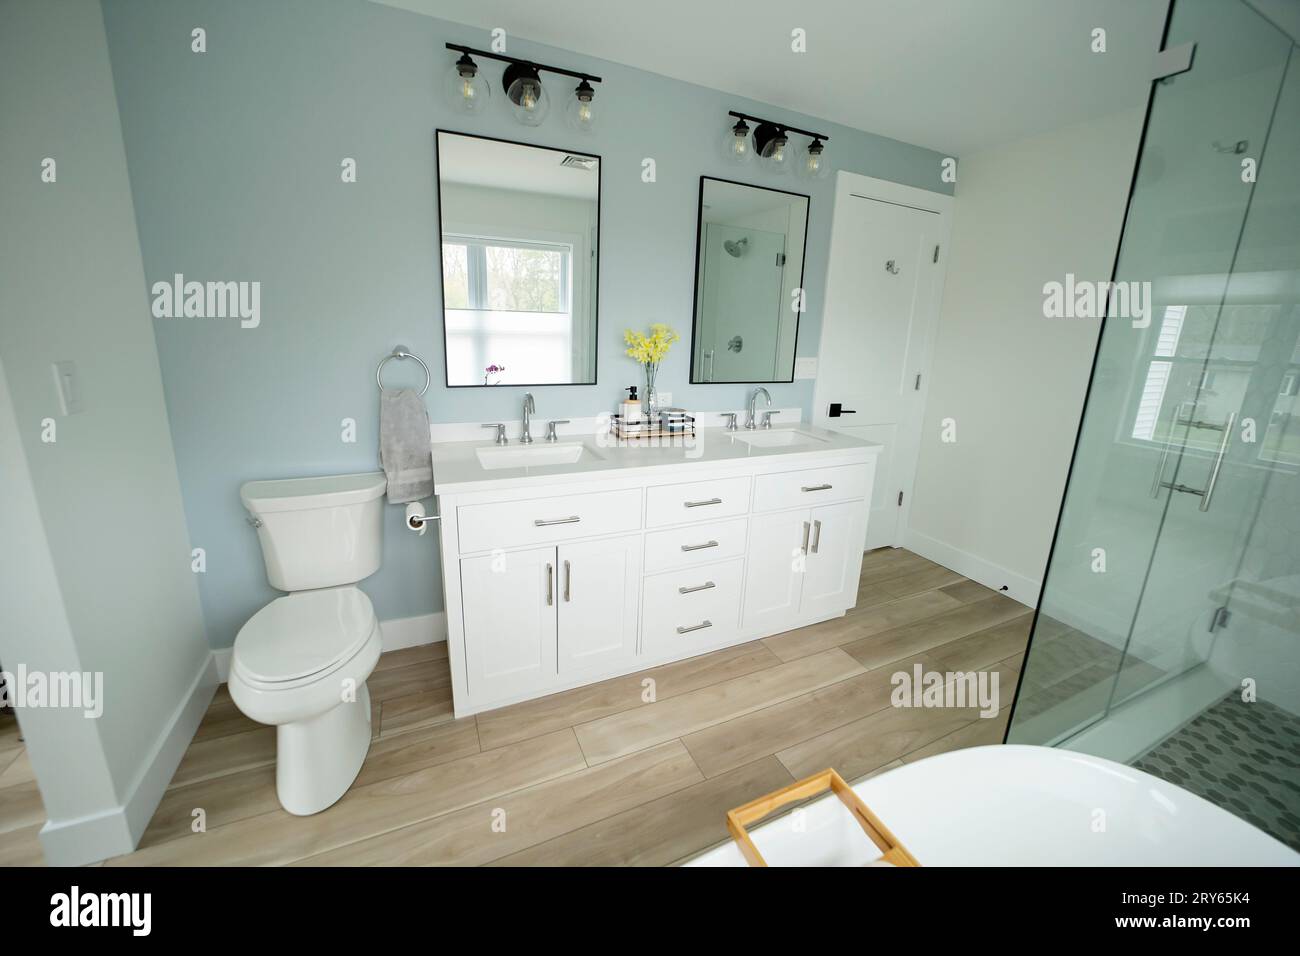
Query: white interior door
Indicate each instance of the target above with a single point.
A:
(882, 301)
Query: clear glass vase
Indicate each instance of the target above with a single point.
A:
(648, 394)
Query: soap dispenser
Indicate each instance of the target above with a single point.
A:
(630, 409)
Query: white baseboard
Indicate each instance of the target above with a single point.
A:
(399, 632)
(402, 632)
(1016, 586)
(118, 830)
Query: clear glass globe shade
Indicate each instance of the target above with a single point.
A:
(465, 93)
(529, 101)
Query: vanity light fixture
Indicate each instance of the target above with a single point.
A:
(467, 91)
(522, 83)
(771, 144)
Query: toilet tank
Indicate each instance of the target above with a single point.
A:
(318, 532)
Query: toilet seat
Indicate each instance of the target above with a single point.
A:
(302, 637)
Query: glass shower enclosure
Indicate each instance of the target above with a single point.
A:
(1168, 631)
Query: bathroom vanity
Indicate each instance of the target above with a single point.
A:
(573, 561)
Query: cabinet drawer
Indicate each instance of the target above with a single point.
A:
(696, 501)
(514, 524)
(811, 487)
(696, 607)
(695, 544)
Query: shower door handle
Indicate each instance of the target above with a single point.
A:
(1218, 462)
(1159, 479)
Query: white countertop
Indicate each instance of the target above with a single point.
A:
(456, 466)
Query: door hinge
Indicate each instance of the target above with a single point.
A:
(936, 254)
(1219, 618)
(900, 499)
(917, 386)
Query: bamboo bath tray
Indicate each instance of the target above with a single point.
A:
(891, 850)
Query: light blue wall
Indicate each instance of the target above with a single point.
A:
(234, 157)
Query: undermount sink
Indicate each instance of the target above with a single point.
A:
(531, 456)
(777, 438)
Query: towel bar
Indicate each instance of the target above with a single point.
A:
(400, 352)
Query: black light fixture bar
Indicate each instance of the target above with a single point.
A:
(785, 126)
(486, 54)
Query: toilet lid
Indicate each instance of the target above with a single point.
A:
(303, 634)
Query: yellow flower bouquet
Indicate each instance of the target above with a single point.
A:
(649, 351)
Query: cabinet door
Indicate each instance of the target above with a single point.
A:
(598, 584)
(830, 582)
(510, 620)
(773, 575)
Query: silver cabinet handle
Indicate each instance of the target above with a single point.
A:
(699, 587)
(699, 547)
(694, 627)
(815, 488)
(568, 581)
(550, 584)
(543, 522)
(701, 504)
(1218, 462)
(804, 546)
(817, 536)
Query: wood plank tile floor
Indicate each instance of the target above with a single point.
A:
(609, 774)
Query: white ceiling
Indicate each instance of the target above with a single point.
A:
(953, 75)
(490, 162)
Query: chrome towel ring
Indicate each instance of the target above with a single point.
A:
(400, 352)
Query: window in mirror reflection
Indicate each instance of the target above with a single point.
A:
(749, 265)
(519, 264)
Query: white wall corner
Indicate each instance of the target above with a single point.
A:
(1013, 585)
(118, 830)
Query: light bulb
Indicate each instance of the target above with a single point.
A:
(736, 144)
(526, 94)
(466, 90)
(812, 161)
(579, 112)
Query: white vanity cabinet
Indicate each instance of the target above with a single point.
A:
(558, 579)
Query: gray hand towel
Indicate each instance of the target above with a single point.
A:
(404, 445)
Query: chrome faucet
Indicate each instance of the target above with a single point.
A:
(752, 423)
(530, 407)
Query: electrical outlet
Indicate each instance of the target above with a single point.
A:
(805, 367)
(665, 398)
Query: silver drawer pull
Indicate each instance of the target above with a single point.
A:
(550, 584)
(543, 522)
(699, 547)
(701, 504)
(815, 488)
(699, 587)
(817, 536)
(694, 627)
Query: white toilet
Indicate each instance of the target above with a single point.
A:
(301, 662)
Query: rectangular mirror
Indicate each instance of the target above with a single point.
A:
(749, 252)
(520, 243)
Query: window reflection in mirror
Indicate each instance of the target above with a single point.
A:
(748, 273)
(520, 240)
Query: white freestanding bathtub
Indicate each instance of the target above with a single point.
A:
(1017, 806)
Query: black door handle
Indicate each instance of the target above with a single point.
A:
(837, 410)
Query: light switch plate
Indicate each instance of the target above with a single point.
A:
(68, 386)
(805, 367)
